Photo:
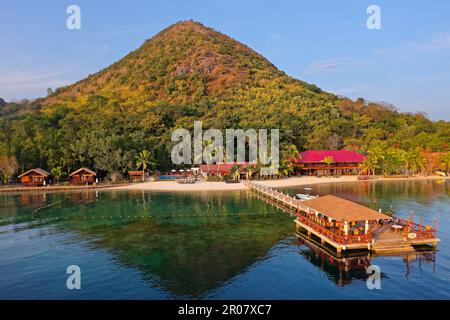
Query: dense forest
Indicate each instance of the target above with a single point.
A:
(189, 72)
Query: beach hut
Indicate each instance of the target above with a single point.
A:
(34, 177)
(136, 176)
(83, 176)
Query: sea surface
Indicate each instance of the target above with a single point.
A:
(208, 245)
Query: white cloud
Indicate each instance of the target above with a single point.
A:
(438, 42)
(21, 84)
(330, 65)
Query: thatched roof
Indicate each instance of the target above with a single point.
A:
(39, 171)
(83, 169)
(343, 210)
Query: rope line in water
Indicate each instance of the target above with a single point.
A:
(47, 206)
(155, 216)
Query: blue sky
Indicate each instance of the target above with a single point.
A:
(406, 63)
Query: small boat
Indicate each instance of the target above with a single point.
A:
(302, 196)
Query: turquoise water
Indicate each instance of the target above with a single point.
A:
(217, 245)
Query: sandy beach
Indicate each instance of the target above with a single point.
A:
(222, 186)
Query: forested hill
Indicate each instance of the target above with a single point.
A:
(185, 73)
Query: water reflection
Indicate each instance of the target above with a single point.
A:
(191, 245)
(188, 244)
(346, 269)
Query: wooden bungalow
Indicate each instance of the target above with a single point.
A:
(83, 176)
(136, 176)
(34, 177)
(312, 162)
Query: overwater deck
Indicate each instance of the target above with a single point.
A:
(345, 225)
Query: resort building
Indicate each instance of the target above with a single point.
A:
(136, 176)
(83, 176)
(344, 225)
(34, 177)
(222, 169)
(323, 162)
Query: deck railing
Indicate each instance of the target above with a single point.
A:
(337, 237)
(417, 231)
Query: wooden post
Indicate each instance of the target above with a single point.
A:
(340, 232)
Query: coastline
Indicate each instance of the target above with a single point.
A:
(173, 186)
(204, 186)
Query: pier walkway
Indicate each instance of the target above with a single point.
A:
(345, 225)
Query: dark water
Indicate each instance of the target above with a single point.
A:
(230, 245)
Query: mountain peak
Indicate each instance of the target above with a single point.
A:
(180, 63)
(188, 25)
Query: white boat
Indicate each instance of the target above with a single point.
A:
(302, 196)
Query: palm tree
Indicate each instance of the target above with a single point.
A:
(250, 171)
(4, 178)
(445, 161)
(57, 173)
(369, 165)
(406, 162)
(285, 167)
(235, 171)
(143, 160)
(328, 161)
(417, 162)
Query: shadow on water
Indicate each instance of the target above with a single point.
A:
(191, 243)
(348, 268)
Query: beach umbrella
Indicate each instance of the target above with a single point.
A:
(181, 170)
(173, 170)
(188, 170)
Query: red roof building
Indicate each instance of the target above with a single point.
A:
(314, 162)
(222, 169)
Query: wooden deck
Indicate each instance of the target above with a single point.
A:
(380, 239)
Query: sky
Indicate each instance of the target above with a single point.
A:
(406, 62)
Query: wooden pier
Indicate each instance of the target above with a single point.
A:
(345, 225)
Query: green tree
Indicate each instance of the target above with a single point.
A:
(250, 171)
(285, 168)
(143, 160)
(391, 163)
(445, 161)
(8, 167)
(235, 172)
(328, 161)
(369, 165)
(57, 173)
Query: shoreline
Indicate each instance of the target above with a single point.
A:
(58, 188)
(173, 186)
(204, 186)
